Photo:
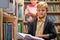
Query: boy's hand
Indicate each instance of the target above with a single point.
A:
(28, 14)
(43, 36)
(33, 15)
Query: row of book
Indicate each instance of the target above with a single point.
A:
(54, 7)
(58, 28)
(7, 31)
(20, 11)
(51, 8)
(44, 0)
(54, 18)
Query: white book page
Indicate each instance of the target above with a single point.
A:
(27, 36)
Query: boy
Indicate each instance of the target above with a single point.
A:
(41, 26)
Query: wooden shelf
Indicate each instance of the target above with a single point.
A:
(6, 15)
(53, 2)
(20, 4)
(58, 33)
(56, 23)
(49, 2)
(20, 20)
(55, 13)
(25, 23)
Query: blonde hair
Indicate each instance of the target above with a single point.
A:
(42, 4)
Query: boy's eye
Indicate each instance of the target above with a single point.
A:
(43, 10)
(40, 10)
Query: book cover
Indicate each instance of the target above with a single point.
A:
(58, 18)
(20, 27)
(51, 0)
(19, 12)
(52, 8)
(58, 7)
(57, 28)
(52, 18)
(49, 8)
(5, 31)
(9, 31)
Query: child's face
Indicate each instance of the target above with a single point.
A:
(33, 2)
(41, 12)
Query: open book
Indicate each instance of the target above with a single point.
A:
(27, 36)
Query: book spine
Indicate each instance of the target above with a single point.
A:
(9, 31)
(52, 18)
(5, 31)
(20, 27)
(19, 12)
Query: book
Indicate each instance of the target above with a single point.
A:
(27, 36)
(51, 7)
(25, 28)
(20, 1)
(58, 7)
(51, 0)
(20, 27)
(7, 32)
(19, 12)
(57, 28)
(52, 18)
(58, 18)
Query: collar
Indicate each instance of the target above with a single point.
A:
(42, 19)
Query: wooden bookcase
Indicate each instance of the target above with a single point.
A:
(53, 2)
(6, 17)
(56, 10)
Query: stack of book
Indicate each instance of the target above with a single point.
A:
(7, 31)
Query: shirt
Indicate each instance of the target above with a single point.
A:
(40, 26)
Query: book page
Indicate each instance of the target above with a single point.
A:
(27, 36)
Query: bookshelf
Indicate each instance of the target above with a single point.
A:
(21, 17)
(9, 21)
(54, 10)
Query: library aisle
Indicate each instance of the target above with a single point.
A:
(13, 19)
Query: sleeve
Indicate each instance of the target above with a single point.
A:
(52, 31)
(26, 10)
(30, 28)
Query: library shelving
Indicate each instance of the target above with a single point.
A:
(54, 7)
(20, 15)
(49, 2)
(21, 18)
(8, 24)
(53, 10)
